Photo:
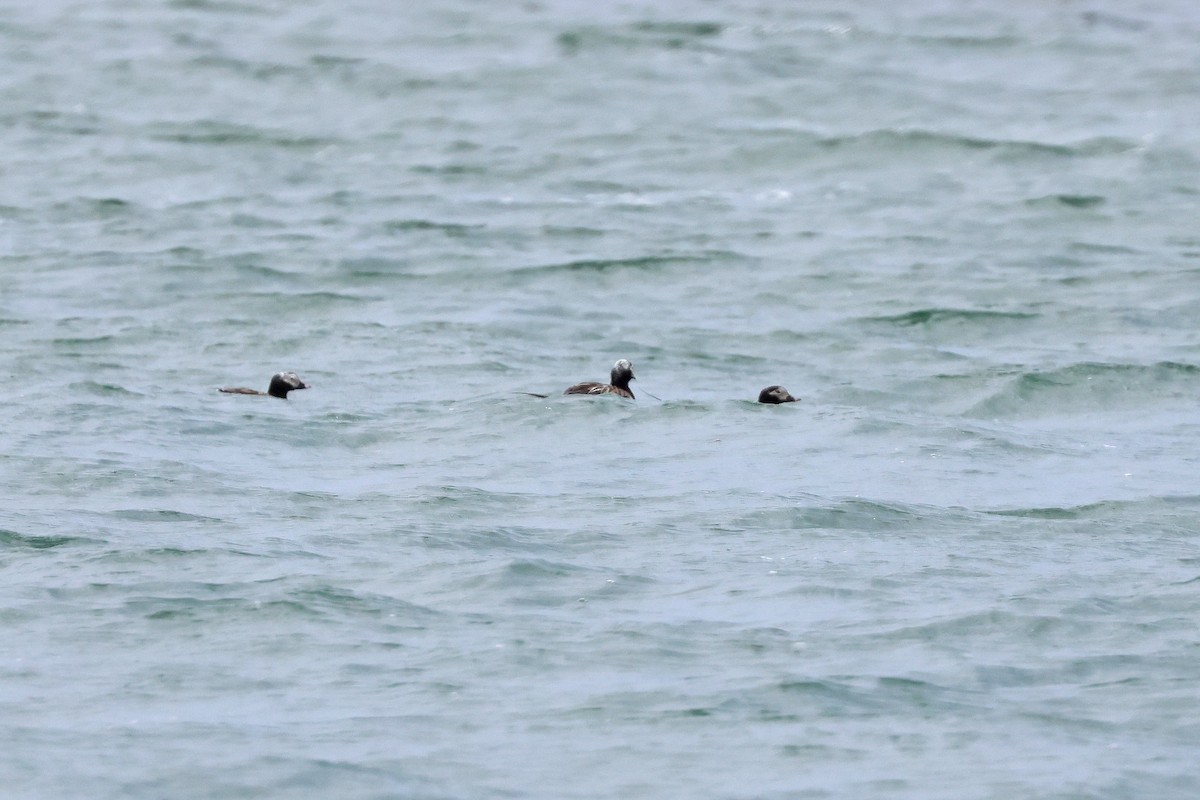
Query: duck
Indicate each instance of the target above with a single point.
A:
(622, 374)
(281, 384)
(773, 395)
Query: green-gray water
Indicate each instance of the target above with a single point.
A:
(963, 566)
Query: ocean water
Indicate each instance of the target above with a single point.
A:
(965, 565)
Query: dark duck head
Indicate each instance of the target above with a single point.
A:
(284, 382)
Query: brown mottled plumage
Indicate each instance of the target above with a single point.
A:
(622, 374)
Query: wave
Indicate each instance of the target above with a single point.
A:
(891, 138)
(192, 602)
(689, 29)
(160, 515)
(983, 41)
(462, 503)
(637, 263)
(256, 70)
(864, 694)
(330, 600)
(573, 231)
(373, 268)
(305, 300)
(1081, 201)
(1089, 386)
(103, 389)
(84, 341)
(92, 208)
(220, 6)
(449, 170)
(932, 317)
(213, 132)
(1105, 249)
(657, 34)
(894, 140)
(452, 229)
(1106, 509)
(855, 514)
(74, 122)
(13, 539)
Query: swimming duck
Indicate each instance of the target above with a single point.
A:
(622, 374)
(281, 384)
(775, 395)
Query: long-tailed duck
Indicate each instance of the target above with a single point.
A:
(622, 374)
(281, 384)
(775, 395)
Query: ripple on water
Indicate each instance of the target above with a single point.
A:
(1090, 387)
